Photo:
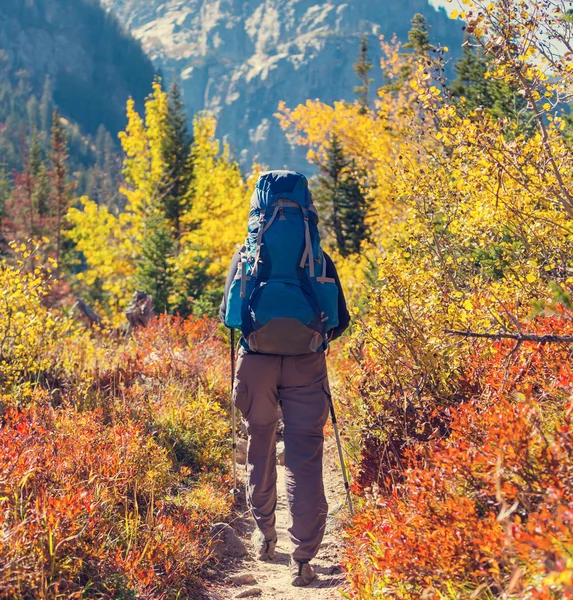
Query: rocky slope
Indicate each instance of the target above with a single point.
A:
(93, 66)
(239, 58)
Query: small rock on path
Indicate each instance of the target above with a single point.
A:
(253, 593)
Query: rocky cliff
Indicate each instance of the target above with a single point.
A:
(93, 66)
(239, 58)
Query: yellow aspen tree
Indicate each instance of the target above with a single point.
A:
(142, 142)
(216, 223)
(110, 244)
(109, 251)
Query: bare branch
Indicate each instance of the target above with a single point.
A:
(520, 337)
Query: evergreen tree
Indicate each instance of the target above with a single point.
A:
(340, 199)
(419, 49)
(24, 186)
(354, 214)
(362, 67)
(104, 177)
(174, 189)
(497, 97)
(35, 155)
(153, 270)
(419, 36)
(40, 180)
(32, 111)
(61, 189)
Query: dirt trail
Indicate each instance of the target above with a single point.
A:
(271, 580)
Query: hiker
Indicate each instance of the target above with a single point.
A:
(284, 294)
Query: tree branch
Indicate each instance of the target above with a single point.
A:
(520, 337)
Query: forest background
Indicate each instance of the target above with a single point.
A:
(447, 205)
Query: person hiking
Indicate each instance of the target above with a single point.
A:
(284, 294)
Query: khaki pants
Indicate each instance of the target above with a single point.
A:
(300, 385)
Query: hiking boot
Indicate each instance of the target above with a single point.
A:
(264, 549)
(302, 573)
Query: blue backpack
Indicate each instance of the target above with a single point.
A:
(280, 298)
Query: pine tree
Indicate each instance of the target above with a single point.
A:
(32, 111)
(24, 191)
(353, 212)
(329, 191)
(340, 199)
(470, 82)
(419, 36)
(174, 189)
(420, 51)
(40, 184)
(105, 175)
(498, 98)
(153, 269)
(61, 189)
(362, 67)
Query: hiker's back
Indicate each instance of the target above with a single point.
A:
(281, 298)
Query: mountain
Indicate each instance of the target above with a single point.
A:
(239, 58)
(71, 54)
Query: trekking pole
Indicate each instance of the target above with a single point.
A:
(234, 491)
(341, 456)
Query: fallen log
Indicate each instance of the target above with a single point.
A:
(88, 314)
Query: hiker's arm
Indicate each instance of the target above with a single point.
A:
(230, 276)
(343, 315)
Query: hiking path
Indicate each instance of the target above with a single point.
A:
(249, 578)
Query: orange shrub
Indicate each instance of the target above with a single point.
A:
(488, 508)
(493, 500)
(110, 481)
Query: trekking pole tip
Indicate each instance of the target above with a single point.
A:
(235, 492)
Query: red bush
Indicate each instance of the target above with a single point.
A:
(488, 508)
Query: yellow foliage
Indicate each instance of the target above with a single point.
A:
(109, 245)
(466, 220)
(213, 226)
(29, 331)
(217, 220)
(144, 165)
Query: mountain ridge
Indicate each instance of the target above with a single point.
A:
(238, 58)
(71, 55)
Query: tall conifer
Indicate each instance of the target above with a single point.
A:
(340, 199)
(61, 189)
(40, 184)
(419, 36)
(174, 189)
(362, 67)
(501, 100)
(153, 268)
(46, 108)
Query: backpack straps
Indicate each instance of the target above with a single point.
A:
(324, 278)
(243, 269)
(278, 207)
(308, 254)
(259, 242)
